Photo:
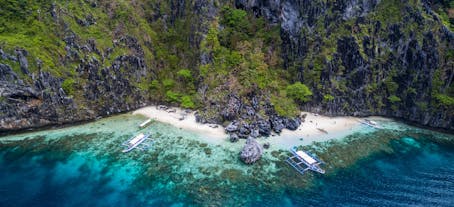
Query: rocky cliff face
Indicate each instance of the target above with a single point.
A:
(363, 60)
(38, 99)
(100, 68)
(74, 61)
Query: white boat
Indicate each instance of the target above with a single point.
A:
(145, 123)
(371, 123)
(135, 141)
(303, 161)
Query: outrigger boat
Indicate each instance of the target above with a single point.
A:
(145, 123)
(135, 141)
(371, 123)
(303, 161)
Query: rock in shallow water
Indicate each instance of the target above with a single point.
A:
(251, 152)
(266, 145)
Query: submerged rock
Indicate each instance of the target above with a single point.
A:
(266, 145)
(251, 152)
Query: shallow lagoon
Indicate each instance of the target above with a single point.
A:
(83, 165)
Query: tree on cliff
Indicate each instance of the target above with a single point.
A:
(299, 92)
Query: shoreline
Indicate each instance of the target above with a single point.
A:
(221, 137)
(179, 118)
(315, 128)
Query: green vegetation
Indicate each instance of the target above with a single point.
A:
(394, 99)
(185, 74)
(299, 92)
(186, 102)
(245, 55)
(172, 97)
(328, 98)
(444, 100)
(168, 83)
(235, 18)
(284, 107)
(242, 51)
(154, 84)
(391, 86)
(68, 86)
(445, 10)
(389, 11)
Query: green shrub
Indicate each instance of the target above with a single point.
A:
(154, 84)
(185, 73)
(328, 97)
(186, 102)
(168, 83)
(394, 99)
(284, 106)
(299, 92)
(391, 85)
(234, 59)
(172, 96)
(235, 18)
(68, 86)
(444, 100)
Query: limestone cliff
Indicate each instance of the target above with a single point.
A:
(234, 61)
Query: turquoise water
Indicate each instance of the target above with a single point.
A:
(83, 166)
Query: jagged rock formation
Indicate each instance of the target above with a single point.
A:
(84, 59)
(246, 121)
(252, 151)
(377, 66)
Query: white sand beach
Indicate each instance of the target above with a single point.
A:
(318, 128)
(179, 118)
(311, 130)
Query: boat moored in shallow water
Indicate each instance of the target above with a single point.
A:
(145, 123)
(303, 161)
(137, 142)
(371, 123)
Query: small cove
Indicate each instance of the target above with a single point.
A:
(83, 165)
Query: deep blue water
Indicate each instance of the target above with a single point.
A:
(416, 174)
(84, 170)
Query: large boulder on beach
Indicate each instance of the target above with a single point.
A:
(277, 124)
(264, 127)
(232, 127)
(234, 137)
(292, 123)
(231, 110)
(244, 130)
(251, 152)
(254, 133)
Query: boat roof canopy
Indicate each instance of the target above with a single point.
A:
(137, 138)
(306, 157)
